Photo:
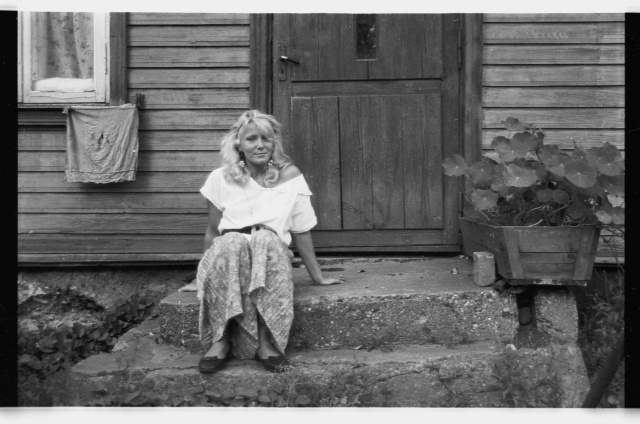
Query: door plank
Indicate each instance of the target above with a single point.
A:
(359, 88)
(379, 238)
(422, 158)
(304, 47)
(355, 158)
(282, 88)
(386, 162)
(432, 60)
(405, 46)
(316, 151)
(451, 128)
(337, 55)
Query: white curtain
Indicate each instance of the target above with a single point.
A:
(62, 45)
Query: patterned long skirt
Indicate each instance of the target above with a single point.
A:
(241, 279)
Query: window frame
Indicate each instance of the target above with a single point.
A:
(112, 59)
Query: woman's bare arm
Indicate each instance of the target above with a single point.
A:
(304, 244)
(215, 215)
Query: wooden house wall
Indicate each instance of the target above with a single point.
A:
(193, 70)
(563, 72)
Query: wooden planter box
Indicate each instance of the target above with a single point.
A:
(535, 255)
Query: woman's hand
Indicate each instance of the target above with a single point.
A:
(191, 287)
(328, 281)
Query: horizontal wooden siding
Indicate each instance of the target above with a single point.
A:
(193, 71)
(563, 72)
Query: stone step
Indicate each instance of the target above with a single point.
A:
(141, 371)
(382, 302)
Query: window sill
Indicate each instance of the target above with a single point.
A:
(56, 105)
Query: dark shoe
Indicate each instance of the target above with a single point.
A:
(211, 364)
(274, 363)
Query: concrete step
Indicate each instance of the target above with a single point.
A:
(382, 302)
(141, 371)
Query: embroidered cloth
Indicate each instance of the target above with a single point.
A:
(102, 144)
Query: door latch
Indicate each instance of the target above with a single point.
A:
(289, 59)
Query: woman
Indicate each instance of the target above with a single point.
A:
(258, 201)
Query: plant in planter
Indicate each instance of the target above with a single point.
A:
(528, 184)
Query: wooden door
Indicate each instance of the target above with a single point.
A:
(368, 118)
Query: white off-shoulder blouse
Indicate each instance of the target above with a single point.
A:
(285, 208)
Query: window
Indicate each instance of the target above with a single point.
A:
(65, 58)
(366, 35)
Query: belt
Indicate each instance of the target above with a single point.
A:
(246, 230)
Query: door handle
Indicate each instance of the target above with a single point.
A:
(289, 59)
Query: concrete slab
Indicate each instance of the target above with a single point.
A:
(405, 333)
(377, 277)
(478, 374)
(390, 277)
(383, 301)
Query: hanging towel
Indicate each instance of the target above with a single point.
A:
(102, 144)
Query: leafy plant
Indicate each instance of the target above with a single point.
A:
(532, 183)
(59, 349)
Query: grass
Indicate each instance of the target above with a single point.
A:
(601, 315)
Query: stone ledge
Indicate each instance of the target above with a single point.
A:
(474, 375)
(382, 302)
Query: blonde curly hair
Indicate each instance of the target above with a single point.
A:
(231, 156)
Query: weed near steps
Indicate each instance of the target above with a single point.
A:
(601, 321)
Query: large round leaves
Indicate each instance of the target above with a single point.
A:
(514, 124)
(454, 165)
(561, 196)
(580, 173)
(545, 195)
(509, 149)
(484, 199)
(607, 159)
(613, 185)
(554, 160)
(517, 176)
(482, 172)
(527, 139)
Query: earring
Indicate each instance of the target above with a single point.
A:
(270, 163)
(241, 163)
